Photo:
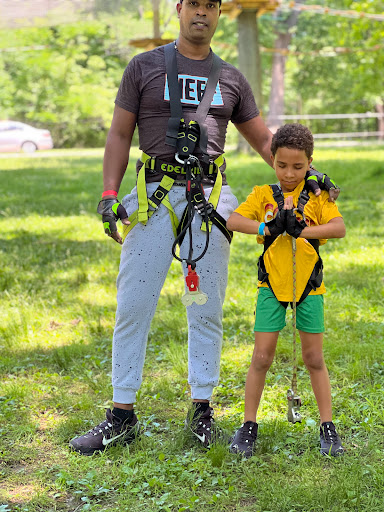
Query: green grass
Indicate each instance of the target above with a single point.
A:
(57, 293)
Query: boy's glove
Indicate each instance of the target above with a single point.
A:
(294, 226)
(277, 226)
(111, 210)
(317, 180)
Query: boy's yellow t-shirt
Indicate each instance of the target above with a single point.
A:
(261, 206)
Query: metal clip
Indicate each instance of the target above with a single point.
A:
(294, 404)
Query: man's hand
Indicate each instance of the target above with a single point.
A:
(276, 226)
(111, 210)
(317, 180)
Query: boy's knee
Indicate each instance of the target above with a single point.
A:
(313, 360)
(262, 361)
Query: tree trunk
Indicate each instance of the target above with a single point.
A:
(249, 59)
(276, 97)
(156, 19)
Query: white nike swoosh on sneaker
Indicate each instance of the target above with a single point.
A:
(201, 438)
(108, 441)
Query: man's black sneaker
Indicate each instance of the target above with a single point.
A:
(244, 440)
(108, 433)
(202, 426)
(330, 443)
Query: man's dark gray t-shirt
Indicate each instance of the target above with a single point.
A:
(144, 91)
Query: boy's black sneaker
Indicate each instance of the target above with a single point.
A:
(108, 433)
(202, 426)
(244, 440)
(330, 443)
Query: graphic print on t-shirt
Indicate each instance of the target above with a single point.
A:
(192, 89)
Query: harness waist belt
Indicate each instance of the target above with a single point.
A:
(155, 165)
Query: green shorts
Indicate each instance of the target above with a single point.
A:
(270, 314)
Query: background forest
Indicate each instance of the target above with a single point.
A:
(60, 69)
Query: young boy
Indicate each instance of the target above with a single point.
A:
(269, 213)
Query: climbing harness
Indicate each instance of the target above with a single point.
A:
(316, 276)
(185, 139)
(315, 280)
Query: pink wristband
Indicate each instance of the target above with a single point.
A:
(109, 193)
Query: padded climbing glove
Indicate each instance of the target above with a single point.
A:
(277, 226)
(111, 210)
(294, 226)
(315, 180)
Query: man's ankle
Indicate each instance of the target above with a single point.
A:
(123, 414)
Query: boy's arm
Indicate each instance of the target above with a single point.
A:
(335, 228)
(237, 222)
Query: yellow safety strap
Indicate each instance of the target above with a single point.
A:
(139, 214)
(144, 213)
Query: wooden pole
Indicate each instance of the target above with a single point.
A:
(249, 58)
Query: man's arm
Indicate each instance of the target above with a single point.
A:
(258, 135)
(116, 158)
(117, 148)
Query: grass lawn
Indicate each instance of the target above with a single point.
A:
(57, 305)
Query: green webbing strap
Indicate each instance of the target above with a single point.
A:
(159, 196)
(144, 159)
(142, 212)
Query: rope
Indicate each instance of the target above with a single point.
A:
(192, 179)
(294, 357)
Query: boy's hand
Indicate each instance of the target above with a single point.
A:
(276, 226)
(111, 210)
(293, 225)
(317, 180)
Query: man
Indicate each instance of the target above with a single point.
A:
(144, 99)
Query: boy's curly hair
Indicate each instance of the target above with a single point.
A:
(293, 136)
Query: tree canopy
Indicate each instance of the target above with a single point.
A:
(65, 77)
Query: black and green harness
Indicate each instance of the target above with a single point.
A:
(185, 139)
(316, 276)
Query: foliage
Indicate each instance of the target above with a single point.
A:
(69, 86)
(337, 82)
(57, 311)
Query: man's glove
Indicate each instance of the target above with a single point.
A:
(277, 226)
(317, 180)
(294, 226)
(111, 210)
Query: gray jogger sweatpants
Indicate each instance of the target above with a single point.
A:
(145, 259)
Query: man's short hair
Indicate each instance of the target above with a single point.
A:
(293, 136)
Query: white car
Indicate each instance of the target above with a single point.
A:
(15, 136)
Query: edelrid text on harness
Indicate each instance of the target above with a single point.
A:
(316, 276)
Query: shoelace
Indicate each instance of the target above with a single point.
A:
(205, 422)
(104, 425)
(329, 433)
(249, 434)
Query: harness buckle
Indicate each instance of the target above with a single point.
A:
(180, 160)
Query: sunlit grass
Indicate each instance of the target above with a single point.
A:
(57, 306)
